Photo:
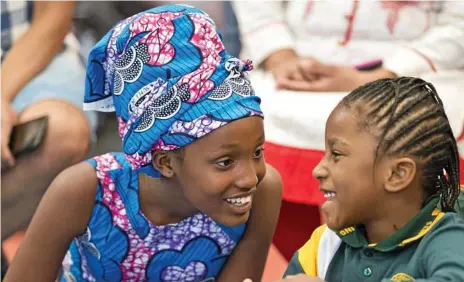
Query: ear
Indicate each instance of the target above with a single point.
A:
(401, 172)
(163, 162)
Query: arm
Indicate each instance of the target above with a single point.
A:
(37, 47)
(62, 215)
(28, 56)
(249, 257)
(442, 47)
(263, 28)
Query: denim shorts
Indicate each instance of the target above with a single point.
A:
(64, 79)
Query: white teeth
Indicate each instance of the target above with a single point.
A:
(239, 201)
(329, 195)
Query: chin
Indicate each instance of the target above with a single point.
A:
(233, 220)
(336, 225)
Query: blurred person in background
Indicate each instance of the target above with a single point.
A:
(41, 76)
(312, 53)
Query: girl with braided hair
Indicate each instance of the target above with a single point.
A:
(390, 176)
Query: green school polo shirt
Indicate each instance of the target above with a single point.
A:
(428, 248)
(460, 202)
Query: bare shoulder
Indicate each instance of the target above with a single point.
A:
(78, 179)
(269, 194)
(272, 182)
(75, 187)
(62, 214)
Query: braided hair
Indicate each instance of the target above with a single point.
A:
(412, 121)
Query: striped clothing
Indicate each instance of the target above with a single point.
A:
(16, 19)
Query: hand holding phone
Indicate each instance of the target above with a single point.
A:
(27, 137)
(9, 118)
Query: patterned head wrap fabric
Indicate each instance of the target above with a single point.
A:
(166, 74)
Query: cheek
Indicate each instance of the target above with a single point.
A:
(204, 188)
(353, 182)
(355, 169)
(358, 193)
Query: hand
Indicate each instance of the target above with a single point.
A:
(286, 64)
(301, 278)
(332, 78)
(9, 118)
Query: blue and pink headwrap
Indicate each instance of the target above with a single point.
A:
(166, 74)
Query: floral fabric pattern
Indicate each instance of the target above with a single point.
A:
(166, 74)
(162, 68)
(194, 249)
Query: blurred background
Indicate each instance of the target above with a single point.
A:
(417, 38)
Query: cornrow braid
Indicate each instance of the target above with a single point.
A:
(412, 121)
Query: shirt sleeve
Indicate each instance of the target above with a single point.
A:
(263, 28)
(305, 259)
(460, 202)
(443, 258)
(294, 266)
(440, 48)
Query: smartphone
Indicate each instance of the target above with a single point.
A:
(369, 65)
(27, 137)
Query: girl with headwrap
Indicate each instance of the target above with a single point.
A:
(176, 204)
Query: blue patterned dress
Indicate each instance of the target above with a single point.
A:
(120, 244)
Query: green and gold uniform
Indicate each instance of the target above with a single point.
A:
(428, 248)
(460, 202)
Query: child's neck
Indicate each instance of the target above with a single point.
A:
(392, 218)
(161, 203)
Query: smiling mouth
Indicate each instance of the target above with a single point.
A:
(239, 202)
(241, 199)
(329, 195)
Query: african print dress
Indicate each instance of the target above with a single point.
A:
(120, 244)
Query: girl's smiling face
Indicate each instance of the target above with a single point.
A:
(346, 173)
(220, 172)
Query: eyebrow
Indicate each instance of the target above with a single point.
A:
(228, 146)
(334, 141)
(261, 139)
(233, 145)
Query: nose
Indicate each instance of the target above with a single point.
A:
(320, 171)
(248, 177)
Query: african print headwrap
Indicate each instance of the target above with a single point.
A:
(166, 74)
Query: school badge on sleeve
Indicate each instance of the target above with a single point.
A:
(402, 277)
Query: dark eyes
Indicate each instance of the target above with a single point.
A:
(226, 163)
(336, 155)
(258, 153)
